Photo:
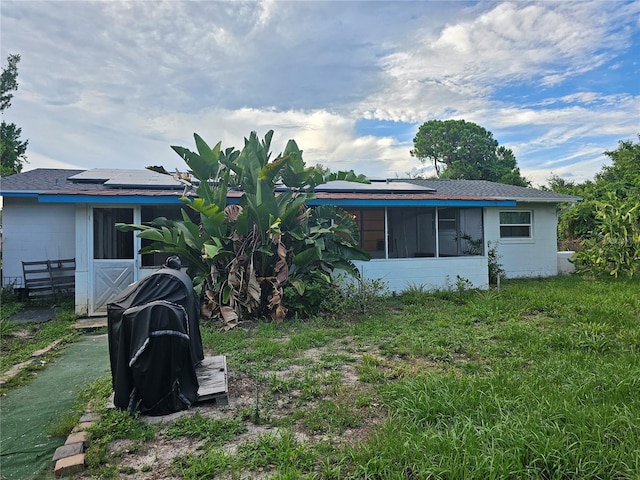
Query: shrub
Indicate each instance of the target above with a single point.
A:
(614, 249)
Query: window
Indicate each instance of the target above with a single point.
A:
(370, 222)
(411, 232)
(515, 224)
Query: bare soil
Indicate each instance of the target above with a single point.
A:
(155, 460)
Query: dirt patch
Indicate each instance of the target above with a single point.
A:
(317, 379)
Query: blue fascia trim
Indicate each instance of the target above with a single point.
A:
(19, 195)
(175, 200)
(114, 200)
(414, 203)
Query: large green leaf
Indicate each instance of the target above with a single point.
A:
(215, 251)
(308, 256)
(275, 233)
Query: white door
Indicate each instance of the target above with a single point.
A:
(113, 256)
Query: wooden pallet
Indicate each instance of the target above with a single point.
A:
(212, 378)
(212, 381)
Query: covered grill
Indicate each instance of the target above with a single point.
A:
(155, 344)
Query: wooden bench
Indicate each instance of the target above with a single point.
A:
(49, 278)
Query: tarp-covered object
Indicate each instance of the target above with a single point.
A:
(155, 344)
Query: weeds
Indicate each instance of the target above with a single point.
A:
(19, 342)
(214, 430)
(113, 425)
(10, 304)
(537, 380)
(64, 425)
(7, 328)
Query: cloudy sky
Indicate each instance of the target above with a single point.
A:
(116, 83)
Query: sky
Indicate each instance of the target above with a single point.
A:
(113, 84)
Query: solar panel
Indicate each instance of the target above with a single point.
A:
(373, 187)
(116, 178)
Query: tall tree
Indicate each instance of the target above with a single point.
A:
(12, 149)
(624, 172)
(465, 150)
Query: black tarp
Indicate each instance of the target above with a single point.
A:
(155, 344)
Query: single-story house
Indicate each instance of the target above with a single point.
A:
(427, 233)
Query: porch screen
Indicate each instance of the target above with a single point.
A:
(415, 232)
(109, 243)
(412, 232)
(148, 214)
(370, 222)
(460, 232)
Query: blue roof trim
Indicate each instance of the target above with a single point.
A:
(116, 200)
(175, 200)
(19, 194)
(414, 203)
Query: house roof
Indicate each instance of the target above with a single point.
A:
(492, 189)
(146, 186)
(41, 180)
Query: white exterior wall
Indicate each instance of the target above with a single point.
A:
(526, 257)
(33, 232)
(565, 267)
(430, 273)
(83, 234)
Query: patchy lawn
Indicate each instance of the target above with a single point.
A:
(21, 341)
(538, 380)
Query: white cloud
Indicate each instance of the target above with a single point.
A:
(324, 137)
(458, 70)
(119, 82)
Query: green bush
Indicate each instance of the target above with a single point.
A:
(614, 248)
(318, 298)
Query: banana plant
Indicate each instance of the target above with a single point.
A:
(241, 256)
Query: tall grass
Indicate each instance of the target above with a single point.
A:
(568, 417)
(559, 399)
(539, 380)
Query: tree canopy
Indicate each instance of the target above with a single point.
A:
(12, 149)
(465, 150)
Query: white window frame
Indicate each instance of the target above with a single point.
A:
(516, 238)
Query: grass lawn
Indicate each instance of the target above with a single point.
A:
(18, 342)
(537, 380)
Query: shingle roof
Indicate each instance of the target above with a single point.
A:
(484, 188)
(44, 180)
(56, 181)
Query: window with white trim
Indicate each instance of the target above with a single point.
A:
(515, 224)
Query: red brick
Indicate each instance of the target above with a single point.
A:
(69, 465)
(83, 426)
(77, 438)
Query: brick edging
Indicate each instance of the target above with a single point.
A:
(69, 458)
(19, 367)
